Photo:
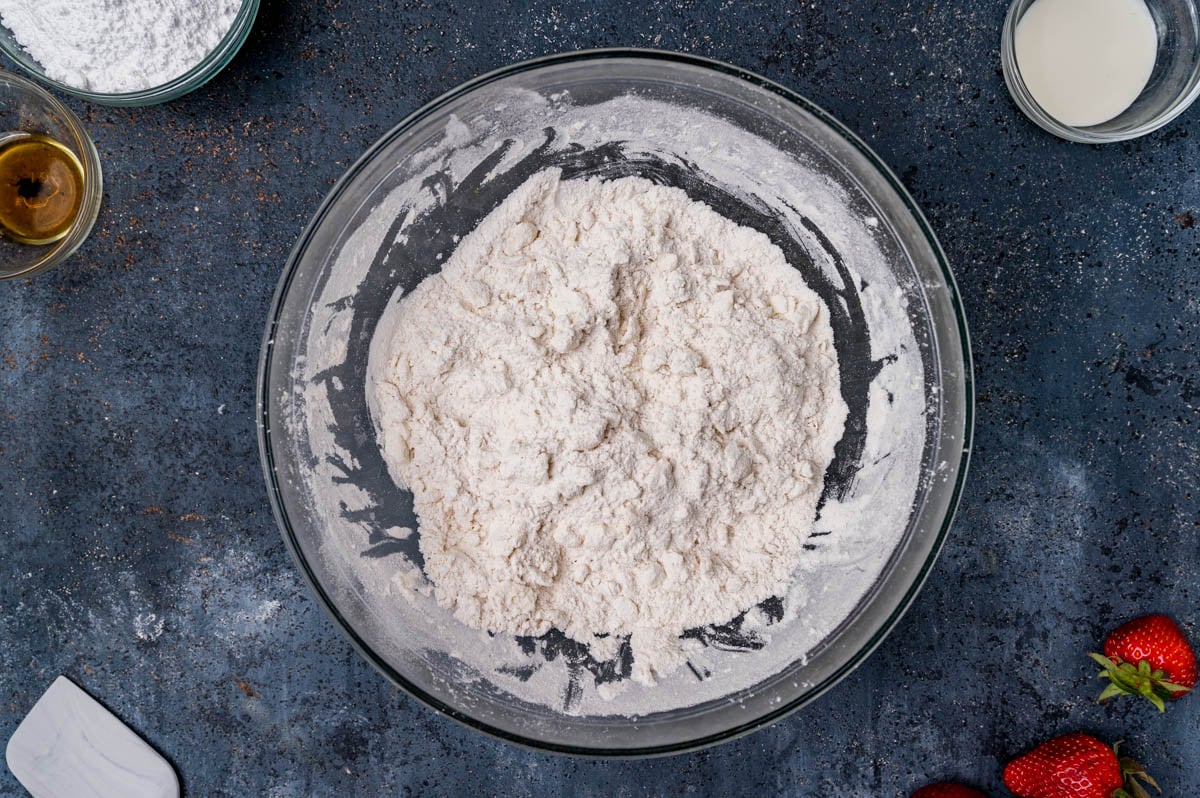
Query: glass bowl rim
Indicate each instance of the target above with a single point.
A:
(1023, 97)
(264, 422)
(93, 183)
(207, 69)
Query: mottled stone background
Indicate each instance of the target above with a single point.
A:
(137, 551)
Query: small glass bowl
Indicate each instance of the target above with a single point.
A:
(26, 107)
(1173, 86)
(189, 81)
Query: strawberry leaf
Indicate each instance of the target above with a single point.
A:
(1111, 691)
(1134, 774)
(1128, 679)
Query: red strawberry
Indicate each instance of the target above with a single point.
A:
(947, 790)
(1075, 766)
(1149, 657)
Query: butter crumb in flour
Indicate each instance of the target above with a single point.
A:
(615, 409)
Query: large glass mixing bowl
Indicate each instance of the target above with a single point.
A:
(760, 155)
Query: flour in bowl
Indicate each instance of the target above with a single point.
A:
(615, 409)
(118, 46)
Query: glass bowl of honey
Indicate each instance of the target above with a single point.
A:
(50, 179)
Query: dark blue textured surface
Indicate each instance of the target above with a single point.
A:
(137, 551)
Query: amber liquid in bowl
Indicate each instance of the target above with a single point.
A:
(41, 189)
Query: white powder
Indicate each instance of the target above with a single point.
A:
(615, 409)
(115, 46)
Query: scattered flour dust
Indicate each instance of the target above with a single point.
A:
(116, 46)
(615, 408)
(148, 626)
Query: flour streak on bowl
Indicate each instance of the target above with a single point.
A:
(757, 155)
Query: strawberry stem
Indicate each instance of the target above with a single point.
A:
(1134, 775)
(1128, 679)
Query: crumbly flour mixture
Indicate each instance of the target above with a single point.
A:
(615, 408)
(113, 46)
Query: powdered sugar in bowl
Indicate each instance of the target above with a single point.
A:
(759, 156)
(127, 52)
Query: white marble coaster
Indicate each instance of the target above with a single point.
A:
(69, 746)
